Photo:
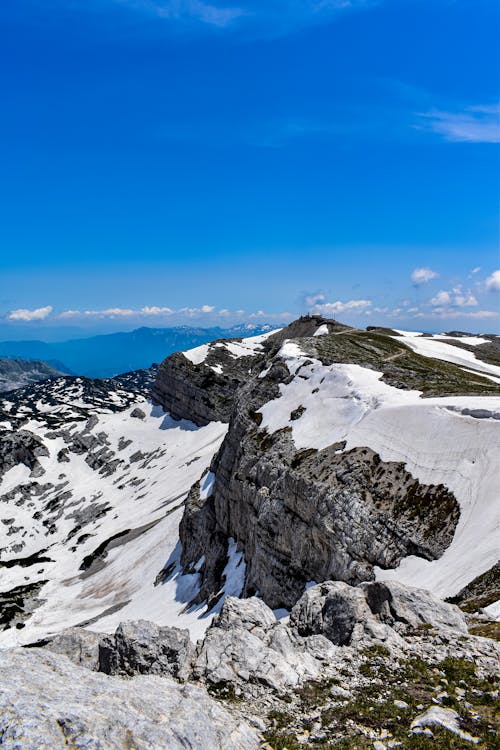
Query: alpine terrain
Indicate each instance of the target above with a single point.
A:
(283, 541)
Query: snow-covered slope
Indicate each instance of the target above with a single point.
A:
(452, 440)
(93, 476)
(448, 349)
(89, 525)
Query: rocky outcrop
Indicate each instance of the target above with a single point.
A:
(17, 373)
(349, 660)
(49, 703)
(298, 515)
(204, 390)
(247, 644)
(142, 647)
(307, 515)
(21, 447)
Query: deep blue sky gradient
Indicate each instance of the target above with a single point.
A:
(150, 158)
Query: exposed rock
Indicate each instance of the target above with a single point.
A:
(48, 703)
(447, 718)
(79, 645)
(142, 647)
(246, 643)
(308, 515)
(21, 447)
(395, 603)
(17, 373)
(331, 609)
(137, 413)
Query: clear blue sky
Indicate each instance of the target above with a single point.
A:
(161, 158)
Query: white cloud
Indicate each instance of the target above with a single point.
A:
(449, 314)
(27, 315)
(112, 312)
(274, 17)
(457, 298)
(476, 269)
(493, 282)
(156, 311)
(465, 299)
(441, 298)
(478, 124)
(333, 308)
(311, 300)
(423, 275)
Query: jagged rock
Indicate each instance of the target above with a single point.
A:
(137, 413)
(437, 716)
(48, 703)
(246, 644)
(21, 447)
(378, 611)
(251, 614)
(79, 645)
(298, 515)
(142, 647)
(331, 609)
(394, 603)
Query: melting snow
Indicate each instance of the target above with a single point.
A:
(442, 442)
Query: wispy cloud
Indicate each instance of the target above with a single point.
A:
(151, 314)
(474, 124)
(267, 17)
(211, 14)
(423, 275)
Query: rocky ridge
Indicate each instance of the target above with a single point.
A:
(308, 513)
(276, 455)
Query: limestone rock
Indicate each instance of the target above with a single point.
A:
(79, 645)
(331, 609)
(142, 647)
(48, 703)
(394, 602)
(247, 644)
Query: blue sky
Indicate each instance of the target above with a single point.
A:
(181, 161)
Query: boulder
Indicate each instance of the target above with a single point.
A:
(142, 647)
(394, 602)
(79, 645)
(332, 609)
(48, 703)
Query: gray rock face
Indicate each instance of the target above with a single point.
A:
(79, 645)
(307, 515)
(394, 603)
(205, 392)
(197, 392)
(298, 515)
(331, 609)
(21, 447)
(381, 611)
(247, 644)
(48, 703)
(145, 648)
(16, 373)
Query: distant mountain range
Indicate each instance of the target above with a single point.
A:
(110, 354)
(16, 373)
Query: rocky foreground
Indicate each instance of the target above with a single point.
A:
(373, 666)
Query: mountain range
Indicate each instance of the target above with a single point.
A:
(288, 540)
(111, 354)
